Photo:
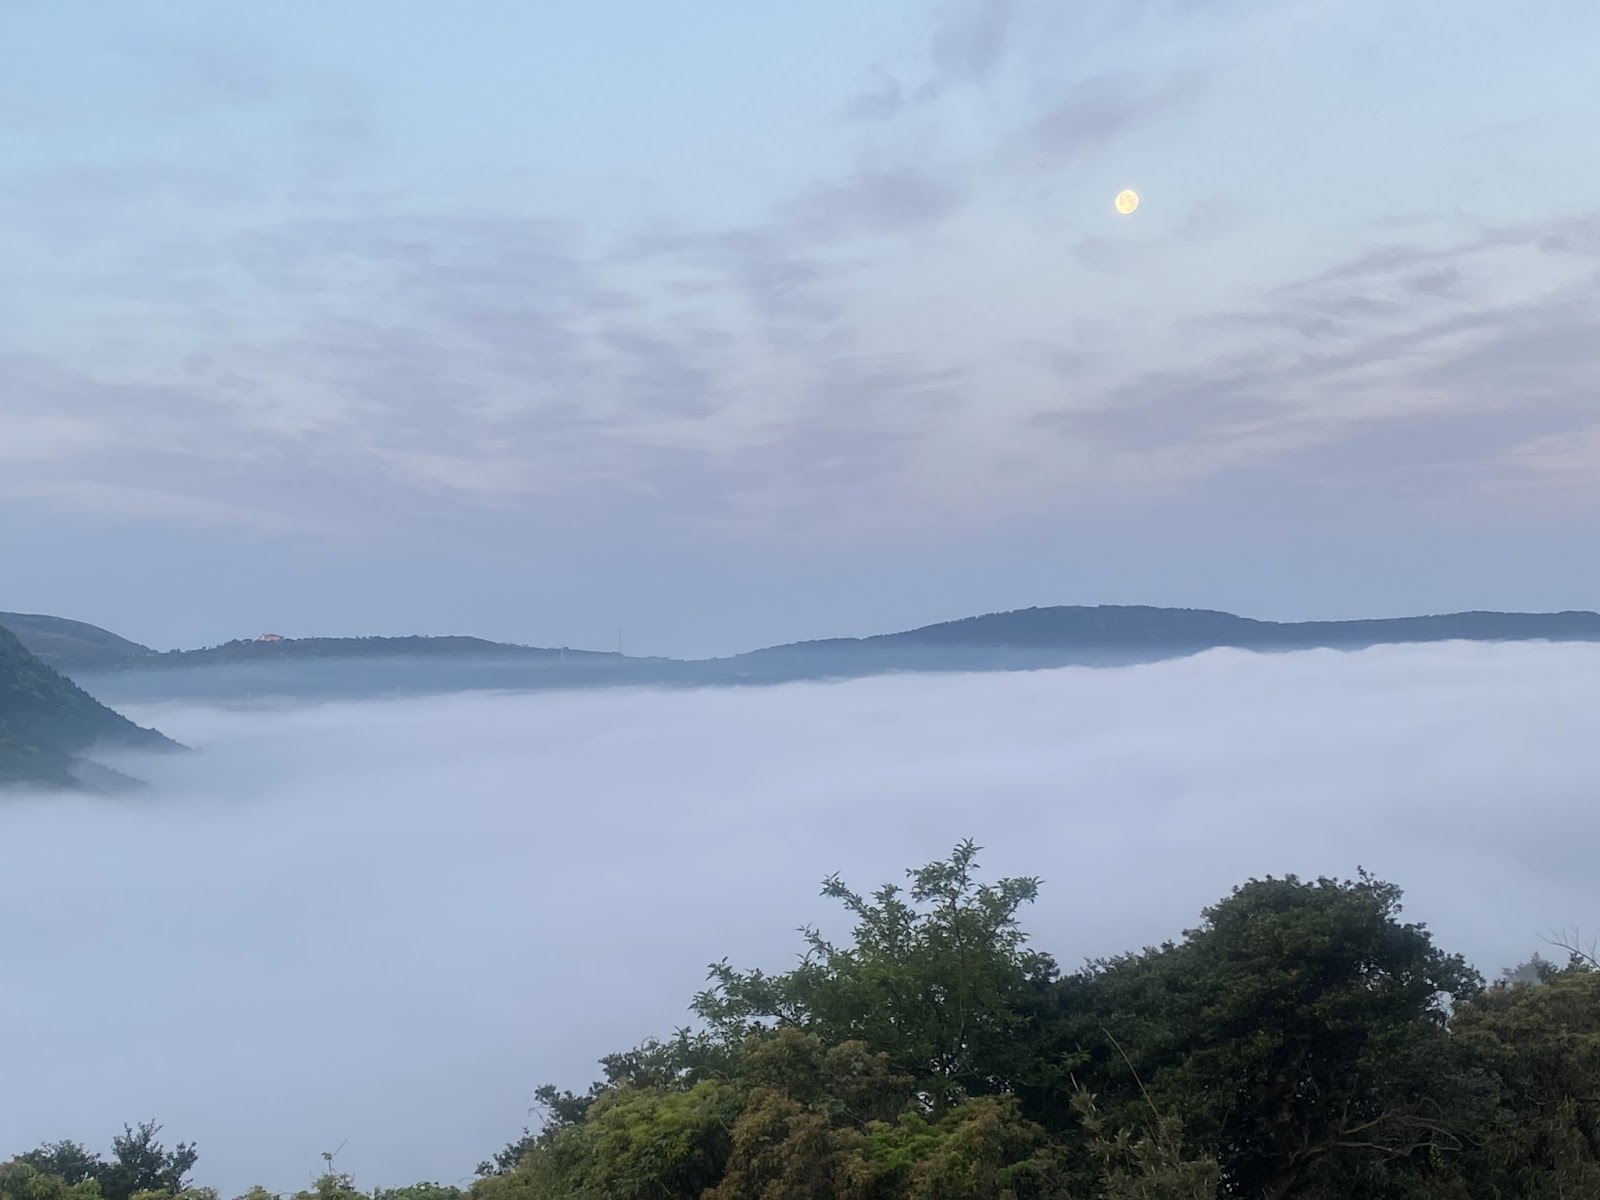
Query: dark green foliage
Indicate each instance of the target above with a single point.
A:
(46, 719)
(418, 1191)
(23, 761)
(938, 978)
(331, 1185)
(1535, 1048)
(1294, 1030)
(1149, 1166)
(72, 1162)
(794, 1118)
(139, 1164)
(24, 1181)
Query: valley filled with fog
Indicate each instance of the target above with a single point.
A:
(378, 926)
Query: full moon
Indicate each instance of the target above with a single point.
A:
(1127, 201)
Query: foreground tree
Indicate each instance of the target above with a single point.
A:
(885, 1069)
(1533, 1047)
(139, 1164)
(24, 1181)
(938, 978)
(71, 1162)
(1296, 1031)
(1149, 1166)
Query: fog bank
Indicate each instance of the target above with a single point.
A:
(384, 924)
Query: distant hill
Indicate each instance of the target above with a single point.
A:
(47, 722)
(268, 650)
(1022, 640)
(1140, 627)
(71, 645)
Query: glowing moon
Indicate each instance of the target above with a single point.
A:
(1127, 201)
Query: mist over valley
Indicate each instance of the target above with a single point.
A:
(381, 924)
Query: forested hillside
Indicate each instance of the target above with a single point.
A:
(1303, 1040)
(1024, 638)
(1134, 626)
(71, 645)
(46, 720)
(257, 650)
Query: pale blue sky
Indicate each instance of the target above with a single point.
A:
(727, 323)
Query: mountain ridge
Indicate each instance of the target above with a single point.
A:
(76, 645)
(418, 645)
(1132, 625)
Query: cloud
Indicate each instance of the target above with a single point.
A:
(1405, 357)
(1567, 462)
(880, 200)
(1567, 235)
(883, 100)
(967, 40)
(1210, 218)
(196, 75)
(391, 358)
(1443, 282)
(970, 39)
(388, 923)
(722, 375)
(1001, 45)
(776, 269)
(833, 353)
(725, 376)
(1101, 110)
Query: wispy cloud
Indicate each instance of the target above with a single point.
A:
(842, 350)
(970, 40)
(965, 43)
(1102, 110)
(894, 200)
(198, 74)
(1412, 355)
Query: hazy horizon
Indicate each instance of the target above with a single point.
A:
(620, 643)
(382, 925)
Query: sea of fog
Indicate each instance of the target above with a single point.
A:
(376, 928)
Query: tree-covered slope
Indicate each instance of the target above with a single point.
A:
(1127, 627)
(23, 761)
(279, 649)
(46, 720)
(71, 645)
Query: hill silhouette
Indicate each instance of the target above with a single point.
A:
(1113, 626)
(1019, 640)
(257, 650)
(47, 722)
(71, 645)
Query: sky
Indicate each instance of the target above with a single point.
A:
(375, 929)
(723, 325)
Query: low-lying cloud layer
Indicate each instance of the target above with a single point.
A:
(383, 925)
